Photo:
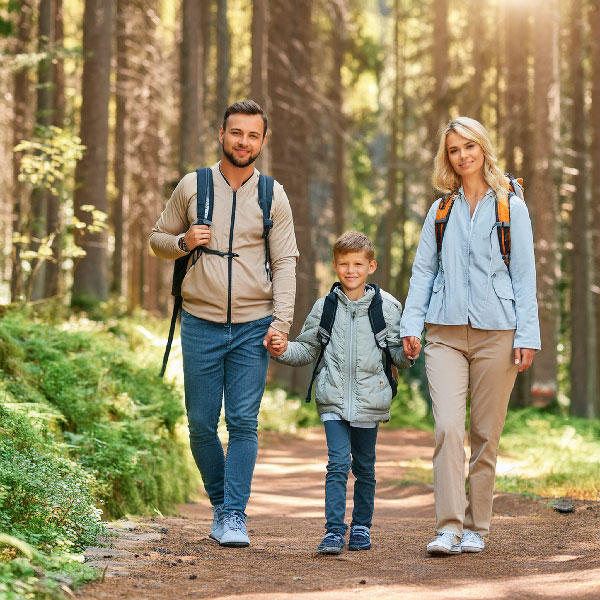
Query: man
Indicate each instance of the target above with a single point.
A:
(233, 302)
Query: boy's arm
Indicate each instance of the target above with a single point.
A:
(306, 348)
(393, 314)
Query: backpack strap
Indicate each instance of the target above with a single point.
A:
(379, 328)
(324, 331)
(441, 217)
(265, 199)
(503, 227)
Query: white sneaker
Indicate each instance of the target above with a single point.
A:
(216, 531)
(471, 542)
(445, 543)
(234, 531)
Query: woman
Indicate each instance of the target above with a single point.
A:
(479, 308)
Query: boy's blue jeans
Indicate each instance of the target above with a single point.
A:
(228, 362)
(349, 448)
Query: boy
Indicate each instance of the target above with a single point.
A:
(353, 394)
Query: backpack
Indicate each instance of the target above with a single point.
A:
(378, 327)
(205, 199)
(515, 187)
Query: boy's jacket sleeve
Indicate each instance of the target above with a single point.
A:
(306, 348)
(393, 314)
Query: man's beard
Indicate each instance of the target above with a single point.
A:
(236, 161)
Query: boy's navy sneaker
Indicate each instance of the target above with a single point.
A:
(216, 531)
(234, 531)
(333, 543)
(360, 538)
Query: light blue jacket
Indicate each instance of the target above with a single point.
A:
(470, 282)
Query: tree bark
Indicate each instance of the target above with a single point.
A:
(260, 70)
(546, 144)
(43, 117)
(594, 20)
(223, 59)
(54, 279)
(21, 131)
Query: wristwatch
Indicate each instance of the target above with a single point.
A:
(182, 245)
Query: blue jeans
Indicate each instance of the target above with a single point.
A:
(349, 447)
(230, 362)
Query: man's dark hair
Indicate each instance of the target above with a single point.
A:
(245, 107)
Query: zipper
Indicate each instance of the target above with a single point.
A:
(230, 258)
(351, 361)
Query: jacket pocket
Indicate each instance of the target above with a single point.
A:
(503, 286)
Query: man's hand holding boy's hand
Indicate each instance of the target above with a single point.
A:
(412, 346)
(275, 342)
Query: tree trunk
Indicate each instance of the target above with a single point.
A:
(90, 279)
(54, 279)
(120, 164)
(21, 131)
(546, 144)
(516, 123)
(338, 121)
(289, 86)
(480, 60)
(43, 117)
(260, 70)
(594, 18)
(192, 93)
(223, 59)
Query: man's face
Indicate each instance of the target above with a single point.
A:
(242, 140)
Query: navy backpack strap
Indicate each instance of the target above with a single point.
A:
(205, 196)
(265, 200)
(324, 331)
(379, 328)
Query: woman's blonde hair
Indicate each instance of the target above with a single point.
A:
(446, 179)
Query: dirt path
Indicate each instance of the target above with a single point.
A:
(534, 552)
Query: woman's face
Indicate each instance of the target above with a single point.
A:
(466, 156)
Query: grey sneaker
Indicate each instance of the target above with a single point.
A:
(333, 543)
(445, 543)
(471, 542)
(216, 531)
(234, 530)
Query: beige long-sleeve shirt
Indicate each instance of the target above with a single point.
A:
(209, 289)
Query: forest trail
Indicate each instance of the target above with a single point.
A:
(533, 552)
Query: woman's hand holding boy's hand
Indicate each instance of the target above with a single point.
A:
(412, 347)
(275, 342)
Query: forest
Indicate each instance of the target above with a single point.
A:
(105, 104)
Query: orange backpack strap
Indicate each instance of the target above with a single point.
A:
(441, 217)
(503, 227)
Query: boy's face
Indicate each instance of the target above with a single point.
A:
(352, 270)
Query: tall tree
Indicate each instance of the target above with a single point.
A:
(21, 131)
(223, 58)
(192, 92)
(338, 121)
(544, 193)
(479, 33)
(90, 279)
(516, 123)
(260, 70)
(289, 91)
(594, 20)
(53, 274)
(43, 118)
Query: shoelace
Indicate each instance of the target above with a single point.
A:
(447, 535)
(471, 536)
(331, 537)
(235, 522)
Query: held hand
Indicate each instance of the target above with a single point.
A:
(524, 358)
(197, 235)
(412, 346)
(275, 342)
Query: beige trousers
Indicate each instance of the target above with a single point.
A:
(458, 357)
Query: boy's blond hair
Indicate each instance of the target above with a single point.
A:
(353, 241)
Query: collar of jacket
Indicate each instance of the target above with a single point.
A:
(363, 302)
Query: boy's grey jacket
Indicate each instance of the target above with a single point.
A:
(471, 283)
(351, 381)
